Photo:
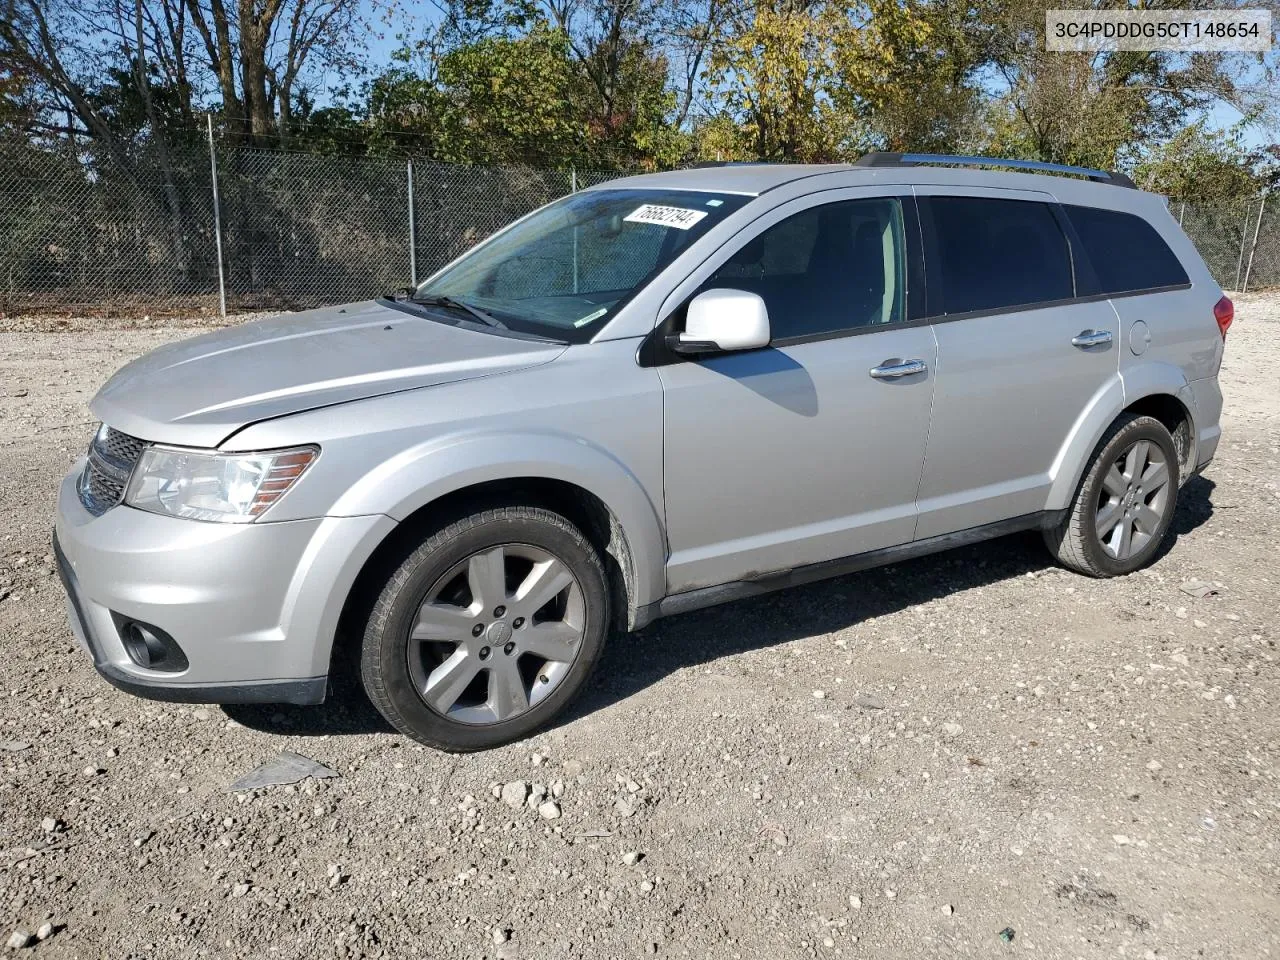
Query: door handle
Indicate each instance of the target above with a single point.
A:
(892, 369)
(1091, 338)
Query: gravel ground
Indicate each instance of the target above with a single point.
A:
(902, 763)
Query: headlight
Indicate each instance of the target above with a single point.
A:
(203, 485)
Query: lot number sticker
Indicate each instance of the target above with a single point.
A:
(677, 217)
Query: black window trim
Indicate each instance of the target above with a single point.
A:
(1049, 304)
(1081, 267)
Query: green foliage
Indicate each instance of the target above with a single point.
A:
(337, 129)
(1095, 109)
(508, 101)
(117, 99)
(16, 88)
(774, 72)
(909, 69)
(1198, 165)
(523, 98)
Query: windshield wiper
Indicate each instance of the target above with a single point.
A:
(440, 301)
(405, 295)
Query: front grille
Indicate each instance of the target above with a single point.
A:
(112, 456)
(120, 447)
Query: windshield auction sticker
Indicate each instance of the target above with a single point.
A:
(1180, 31)
(677, 217)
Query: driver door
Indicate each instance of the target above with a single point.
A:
(812, 448)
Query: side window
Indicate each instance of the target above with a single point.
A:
(985, 254)
(1125, 251)
(826, 269)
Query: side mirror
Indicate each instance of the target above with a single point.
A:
(723, 320)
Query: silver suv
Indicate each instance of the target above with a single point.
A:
(662, 393)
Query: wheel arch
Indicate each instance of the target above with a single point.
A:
(590, 489)
(1157, 394)
(1177, 419)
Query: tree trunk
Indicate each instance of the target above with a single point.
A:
(217, 45)
(172, 202)
(286, 112)
(255, 33)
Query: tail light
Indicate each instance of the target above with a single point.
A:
(1224, 311)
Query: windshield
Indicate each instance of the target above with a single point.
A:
(565, 270)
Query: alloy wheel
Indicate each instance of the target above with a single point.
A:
(1133, 501)
(496, 634)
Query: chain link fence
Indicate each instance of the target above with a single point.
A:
(1240, 243)
(296, 230)
(302, 230)
(72, 236)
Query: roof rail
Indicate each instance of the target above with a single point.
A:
(1036, 166)
(708, 164)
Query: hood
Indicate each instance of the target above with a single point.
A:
(198, 392)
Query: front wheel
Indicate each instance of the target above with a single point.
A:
(487, 630)
(1124, 505)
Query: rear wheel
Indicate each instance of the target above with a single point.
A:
(487, 630)
(1124, 505)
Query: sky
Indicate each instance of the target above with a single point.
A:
(1223, 115)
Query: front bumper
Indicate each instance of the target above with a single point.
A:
(254, 607)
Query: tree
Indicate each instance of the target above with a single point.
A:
(907, 68)
(826, 81)
(519, 88)
(773, 74)
(1199, 165)
(258, 50)
(690, 30)
(619, 58)
(607, 83)
(47, 45)
(246, 56)
(508, 101)
(1096, 109)
(17, 102)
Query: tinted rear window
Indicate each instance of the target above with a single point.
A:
(1125, 251)
(986, 254)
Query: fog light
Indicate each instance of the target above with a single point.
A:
(149, 646)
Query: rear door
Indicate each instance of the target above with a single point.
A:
(1019, 356)
(1162, 318)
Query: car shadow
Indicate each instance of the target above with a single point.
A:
(346, 711)
(1195, 507)
(829, 606)
(676, 643)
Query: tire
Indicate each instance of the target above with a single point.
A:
(457, 683)
(1145, 507)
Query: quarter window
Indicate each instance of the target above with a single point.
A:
(1125, 251)
(987, 254)
(825, 270)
